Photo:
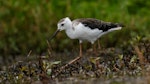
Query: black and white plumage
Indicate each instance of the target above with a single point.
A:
(87, 29)
(95, 23)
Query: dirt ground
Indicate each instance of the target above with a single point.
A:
(124, 65)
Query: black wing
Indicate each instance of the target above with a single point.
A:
(101, 25)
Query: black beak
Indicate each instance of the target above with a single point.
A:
(56, 32)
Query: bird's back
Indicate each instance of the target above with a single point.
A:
(97, 24)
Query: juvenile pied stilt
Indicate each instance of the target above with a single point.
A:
(88, 29)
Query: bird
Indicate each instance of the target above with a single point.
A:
(85, 29)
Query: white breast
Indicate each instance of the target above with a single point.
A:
(85, 33)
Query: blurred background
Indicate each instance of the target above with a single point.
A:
(26, 24)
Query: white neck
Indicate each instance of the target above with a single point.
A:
(69, 30)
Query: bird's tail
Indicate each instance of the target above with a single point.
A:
(109, 27)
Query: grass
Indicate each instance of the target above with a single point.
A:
(38, 20)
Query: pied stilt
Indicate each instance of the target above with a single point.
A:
(88, 29)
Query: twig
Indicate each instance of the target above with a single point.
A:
(49, 48)
(63, 67)
(140, 54)
(41, 64)
(29, 53)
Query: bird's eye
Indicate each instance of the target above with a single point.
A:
(62, 24)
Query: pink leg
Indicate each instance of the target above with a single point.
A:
(99, 46)
(80, 54)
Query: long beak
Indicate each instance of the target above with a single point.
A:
(56, 32)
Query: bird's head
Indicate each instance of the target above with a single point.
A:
(63, 24)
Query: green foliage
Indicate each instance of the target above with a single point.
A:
(26, 24)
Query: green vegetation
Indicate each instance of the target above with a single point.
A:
(27, 24)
